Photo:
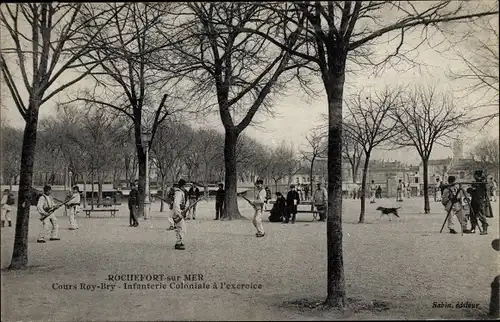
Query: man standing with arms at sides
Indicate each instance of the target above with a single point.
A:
(219, 202)
(292, 201)
(373, 190)
(437, 194)
(258, 204)
(178, 208)
(194, 195)
(320, 200)
(401, 187)
(133, 205)
(7, 202)
(74, 208)
(493, 189)
(45, 204)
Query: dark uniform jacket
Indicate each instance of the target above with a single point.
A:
(194, 193)
(219, 196)
(291, 195)
(478, 192)
(133, 198)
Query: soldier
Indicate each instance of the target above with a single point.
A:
(7, 202)
(219, 202)
(401, 187)
(493, 189)
(437, 191)
(320, 200)
(194, 195)
(478, 193)
(133, 205)
(373, 190)
(452, 204)
(258, 204)
(292, 201)
(178, 208)
(74, 208)
(44, 207)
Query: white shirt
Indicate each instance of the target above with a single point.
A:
(43, 203)
(260, 198)
(178, 200)
(4, 204)
(75, 201)
(320, 196)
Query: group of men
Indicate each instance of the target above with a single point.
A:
(285, 209)
(452, 199)
(46, 208)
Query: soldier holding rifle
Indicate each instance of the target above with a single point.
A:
(479, 194)
(453, 206)
(46, 208)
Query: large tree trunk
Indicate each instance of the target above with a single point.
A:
(99, 188)
(427, 207)
(334, 85)
(311, 191)
(363, 190)
(93, 190)
(20, 253)
(231, 182)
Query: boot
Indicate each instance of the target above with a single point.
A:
(485, 230)
(3, 223)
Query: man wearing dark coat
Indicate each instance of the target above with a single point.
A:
(133, 205)
(478, 192)
(292, 201)
(219, 202)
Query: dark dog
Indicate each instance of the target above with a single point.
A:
(388, 211)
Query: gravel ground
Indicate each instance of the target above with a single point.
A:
(394, 269)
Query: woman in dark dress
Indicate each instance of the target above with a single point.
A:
(278, 210)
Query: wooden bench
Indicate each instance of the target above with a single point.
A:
(313, 212)
(112, 210)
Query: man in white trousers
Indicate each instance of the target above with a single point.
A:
(74, 208)
(178, 207)
(45, 203)
(258, 204)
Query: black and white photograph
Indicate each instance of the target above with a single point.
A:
(249, 161)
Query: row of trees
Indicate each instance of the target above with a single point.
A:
(150, 61)
(95, 146)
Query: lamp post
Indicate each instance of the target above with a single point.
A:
(70, 174)
(146, 136)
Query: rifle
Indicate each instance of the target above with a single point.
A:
(184, 212)
(51, 210)
(242, 195)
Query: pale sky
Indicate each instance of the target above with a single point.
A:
(296, 115)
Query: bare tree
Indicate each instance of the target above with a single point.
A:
(233, 69)
(10, 145)
(131, 84)
(40, 47)
(481, 64)
(370, 126)
(486, 153)
(171, 146)
(338, 32)
(352, 151)
(425, 119)
(282, 163)
(316, 148)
